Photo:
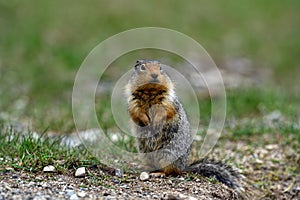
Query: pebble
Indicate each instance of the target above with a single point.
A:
(74, 197)
(116, 181)
(49, 168)
(80, 172)
(7, 187)
(144, 176)
(45, 184)
(176, 196)
(272, 146)
(14, 176)
(39, 178)
(9, 169)
(69, 192)
(119, 173)
(124, 186)
(81, 194)
(274, 116)
(31, 184)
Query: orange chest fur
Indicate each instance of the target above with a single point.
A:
(150, 104)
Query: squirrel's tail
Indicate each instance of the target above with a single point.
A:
(218, 170)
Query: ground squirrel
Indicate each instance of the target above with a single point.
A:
(161, 126)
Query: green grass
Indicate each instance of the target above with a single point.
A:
(33, 152)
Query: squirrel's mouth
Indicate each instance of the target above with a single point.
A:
(155, 80)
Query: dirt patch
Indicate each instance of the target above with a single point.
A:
(270, 164)
(55, 186)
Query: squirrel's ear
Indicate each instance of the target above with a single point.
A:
(136, 67)
(138, 63)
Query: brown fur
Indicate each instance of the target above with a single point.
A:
(150, 105)
(161, 126)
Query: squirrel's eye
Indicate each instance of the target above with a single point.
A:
(143, 68)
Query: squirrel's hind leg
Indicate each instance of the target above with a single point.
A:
(169, 170)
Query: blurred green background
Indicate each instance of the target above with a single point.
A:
(43, 43)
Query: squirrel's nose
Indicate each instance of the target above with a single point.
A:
(154, 76)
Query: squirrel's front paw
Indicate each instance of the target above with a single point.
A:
(157, 115)
(143, 120)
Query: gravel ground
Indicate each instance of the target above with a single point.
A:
(270, 167)
(20, 185)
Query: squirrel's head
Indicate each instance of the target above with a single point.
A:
(148, 72)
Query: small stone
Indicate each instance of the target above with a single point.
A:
(49, 168)
(39, 178)
(45, 184)
(181, 179)
(7, 187)
(116, 181)
(81, 194)
(258, 161)
(9, 169)
(15, 176)
(69, 192)
(176, 196)
(80, 172)
(124, 186)
(274, 116)
(74, 197)
(118, 172)
(144, 176)
(31, 184)
(272, 146)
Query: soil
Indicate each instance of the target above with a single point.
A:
(270, 164)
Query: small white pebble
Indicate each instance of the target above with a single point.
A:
(9, 169)
(69, 192)
(272, 146)
(49, 168)
(144, 176)
(119, 172)
(74, 197)
(81, 194)
(45, 184)
(80, 172)
(30, 184)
